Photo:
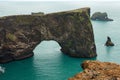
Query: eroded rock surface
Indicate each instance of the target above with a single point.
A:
(96, 70)
(20, 34)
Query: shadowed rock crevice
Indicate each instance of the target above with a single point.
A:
(71, 29)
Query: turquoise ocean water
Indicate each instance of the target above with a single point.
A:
(49, 63)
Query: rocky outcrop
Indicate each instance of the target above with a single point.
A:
(20, 34)
(101, 16)
(109, 42)
(37, 14)
(95, 70)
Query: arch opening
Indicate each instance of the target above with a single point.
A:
(47, 46)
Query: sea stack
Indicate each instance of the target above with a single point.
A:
(101, 16)
(109, 42)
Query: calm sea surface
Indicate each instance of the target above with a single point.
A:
(49, 63)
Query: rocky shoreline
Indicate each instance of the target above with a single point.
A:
(96, 70)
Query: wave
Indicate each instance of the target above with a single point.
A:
(2, 69)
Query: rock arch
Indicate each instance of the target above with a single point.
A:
(45, 45)
(71, 29)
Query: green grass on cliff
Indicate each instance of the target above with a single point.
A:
(11, 37)
(24, 19)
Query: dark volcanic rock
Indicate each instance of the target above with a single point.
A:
(20, 34)
(101, 16)
(109, 42)
(95, 70)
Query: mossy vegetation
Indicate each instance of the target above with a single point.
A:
(25, 19)
(89, 24)
(69, 44)
(77, 10)
(81, 18)
(11, 37)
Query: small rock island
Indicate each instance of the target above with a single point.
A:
(96, 70)
(20, 34)
(109, 42)
(100, 16)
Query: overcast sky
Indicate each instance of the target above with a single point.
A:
(14, 7)
(59, 0)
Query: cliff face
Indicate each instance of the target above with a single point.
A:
(20, 34)
(95, 70)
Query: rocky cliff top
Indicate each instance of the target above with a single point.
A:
(96, 70)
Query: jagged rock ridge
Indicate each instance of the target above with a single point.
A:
(20, 34)
(96, 70)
